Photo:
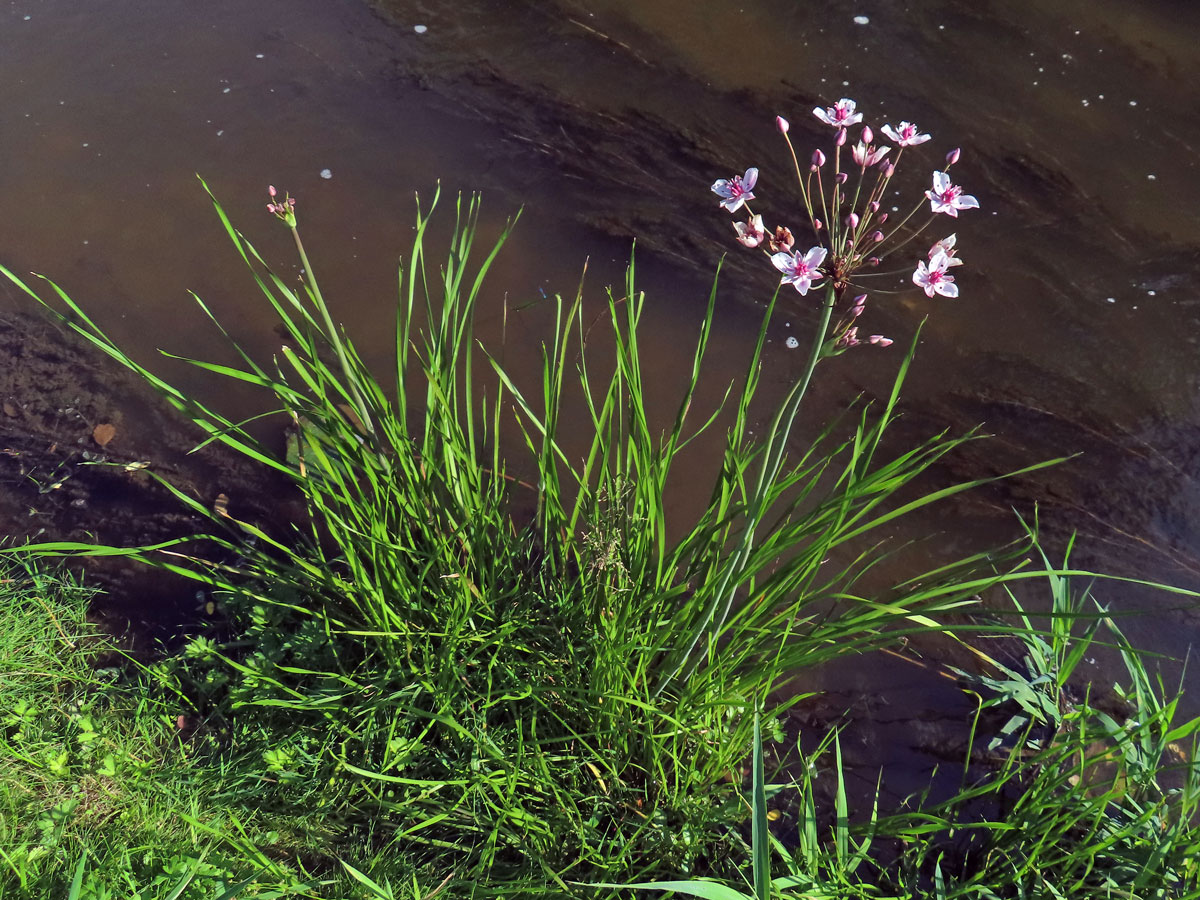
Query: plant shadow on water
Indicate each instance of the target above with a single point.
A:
(446, 699)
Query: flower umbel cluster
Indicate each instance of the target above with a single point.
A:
(285, 209)
(843, 206)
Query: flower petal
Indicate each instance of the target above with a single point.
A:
(815, 256)
(783, 261)
(966, 201)
(948, 288)
(750, 178)
(941, 181)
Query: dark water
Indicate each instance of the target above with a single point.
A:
(1077, 327)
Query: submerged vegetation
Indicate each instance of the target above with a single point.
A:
(464, 671)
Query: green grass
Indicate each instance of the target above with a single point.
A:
(419, 690)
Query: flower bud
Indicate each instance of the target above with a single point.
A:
(877, 236)
(271, 190)
(873, 261)
(873, 206)
(782, 124)
(952, 156)
(889, 169)
(841, 137)
(841, 177)
(818, 159)
(879, 340)
(817, 225)
(860, 304)
(882, 218)
(867, 134)
(852, 221)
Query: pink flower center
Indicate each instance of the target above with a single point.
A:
(907, 132)
(736, 189)
(935, 276)
(950, 194)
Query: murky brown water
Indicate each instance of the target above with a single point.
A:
(1077, 326)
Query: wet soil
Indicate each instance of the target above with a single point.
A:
(79, 439)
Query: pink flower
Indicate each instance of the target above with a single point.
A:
(840, 115)
(800, 271)
(866, 155)
(752, 233)
(934, 280)
(736, 190)
(946, 247)
(906, 134)
(948, 198)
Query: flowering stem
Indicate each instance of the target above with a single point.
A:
(799, 176)
(915, 234)
(756, 507)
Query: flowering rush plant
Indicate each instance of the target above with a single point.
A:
(843, 205)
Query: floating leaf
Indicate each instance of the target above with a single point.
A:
(10, 409)
(103, 434)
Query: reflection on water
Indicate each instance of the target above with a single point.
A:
(1076, 330)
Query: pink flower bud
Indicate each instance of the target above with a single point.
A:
(883, 218)
(867, 134)
(952, 156)
(817, 225)
(271, 189)
(818, 159)
(841, 177)
(841, 137)
(873, 261)
(877, 236)
(879, 340)
(782, 124)
(888, 169)
(270, 207)
(873, 206)
(860, 304)
(852, 221)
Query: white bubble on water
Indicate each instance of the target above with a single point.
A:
(327, 174)
(260, 56)
(861, 20)
(1152, 178)
(1111, 299)
(791, 343)
(420, 29)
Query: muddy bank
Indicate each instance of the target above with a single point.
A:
(79, 439)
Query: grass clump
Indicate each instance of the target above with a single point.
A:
(421, 691)
(97, 794)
